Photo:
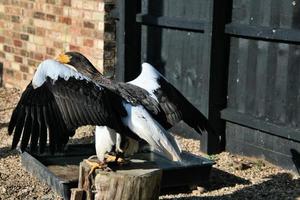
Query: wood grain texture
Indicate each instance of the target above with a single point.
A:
(133, 181)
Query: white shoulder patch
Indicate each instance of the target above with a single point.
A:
(148, 79)
(53, 69)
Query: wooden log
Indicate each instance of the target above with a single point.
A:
(132, 181)
(77, 194)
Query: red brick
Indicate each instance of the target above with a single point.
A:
(87, 24)
(24, 53)
(24, 26)
(51, 18)
(24, 37)
(50, 1)
(98, 35)
(87, 32)
(18, 43)
(15, 19)
(2, 54)
(2, 39)
(30, 30)
(13, 10)
(7, 49)
(8, 41)
(39, 15)
(25, 77)
(17, 51)
(9, 72)
(66, 2)
(18, 59)
(16, 35)
(40, 31)
(38, 56)
(58, 45)
(32, 62)
(74, 48)
(75, 31)
(24, 68)
(65, 20)
(48, 57)
(18, 75)
(50, 51)
(88, 43)
(58, 10)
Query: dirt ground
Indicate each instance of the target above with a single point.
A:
(233, 177)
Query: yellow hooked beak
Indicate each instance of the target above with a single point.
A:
(63, 58)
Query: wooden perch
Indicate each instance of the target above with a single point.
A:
(132, 181)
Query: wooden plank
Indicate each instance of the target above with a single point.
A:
(293, 74)
(249, 121)
(241, 79)
(273, 61)
(261, 80)
(177, 39)
(120, 37)
(263, 33)
(282, 156)
(270, 85)
(280, 85)
(168, 22)
(232, 73)
(251, 77)
(77, 194)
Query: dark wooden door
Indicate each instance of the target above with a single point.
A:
(263, 111)
(177, 38)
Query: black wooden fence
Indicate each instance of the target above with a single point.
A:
(263, 109)
(177, 37)
(244, 74)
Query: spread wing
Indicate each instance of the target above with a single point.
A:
(177, 107)
(174, 105)
(55, 109)
(137, 96)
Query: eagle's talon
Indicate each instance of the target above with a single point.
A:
(96, 165)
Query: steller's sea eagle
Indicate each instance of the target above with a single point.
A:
(61, 97)
(173, 106)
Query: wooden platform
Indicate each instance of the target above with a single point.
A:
(61, 171)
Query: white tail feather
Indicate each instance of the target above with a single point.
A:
(140, 122)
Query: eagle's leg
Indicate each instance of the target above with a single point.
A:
(118, 155)
(96, 165)
(117, 158)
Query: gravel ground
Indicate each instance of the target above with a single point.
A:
(233, 177)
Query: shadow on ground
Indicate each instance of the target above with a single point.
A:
(3, 125)
(6, 151)
(279, 186)
(218, 179)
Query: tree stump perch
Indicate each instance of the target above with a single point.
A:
(132, 181)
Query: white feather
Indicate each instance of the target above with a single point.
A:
(53, 69)
(105, 139)
(140, 122)
(148, 79)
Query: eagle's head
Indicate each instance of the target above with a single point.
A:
(77, 61)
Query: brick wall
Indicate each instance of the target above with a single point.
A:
(34, 30)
